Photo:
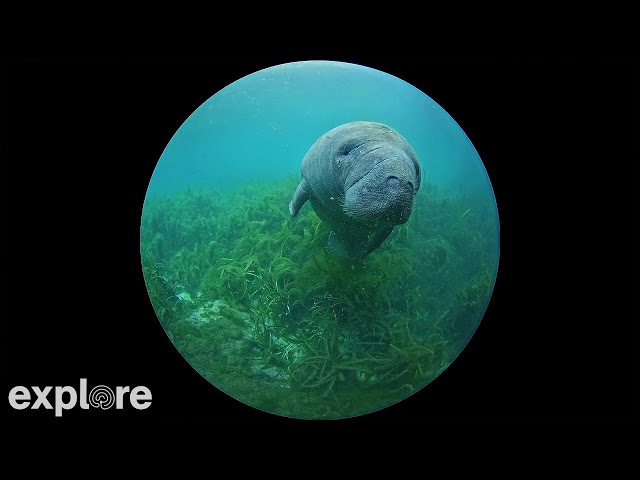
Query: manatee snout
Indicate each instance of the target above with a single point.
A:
(400, 192)
(385, 193)
(393, 182)
(400, 189)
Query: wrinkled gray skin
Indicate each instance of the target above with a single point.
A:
(361, 179)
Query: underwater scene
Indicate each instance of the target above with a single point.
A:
(255, 296)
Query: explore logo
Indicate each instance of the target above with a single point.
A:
(65, 398)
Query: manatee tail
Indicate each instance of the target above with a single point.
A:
(337, 247)
(356, 245)
(300, 197)
(347, 250)
(378, 238)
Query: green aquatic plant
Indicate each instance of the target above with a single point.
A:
(253, 300)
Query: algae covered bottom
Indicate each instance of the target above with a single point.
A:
(251, 297)
(253, 301)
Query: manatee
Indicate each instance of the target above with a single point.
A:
(361, 179)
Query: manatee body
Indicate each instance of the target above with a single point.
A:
(361, 179)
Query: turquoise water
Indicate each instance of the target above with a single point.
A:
(251, 297)
(261, 126)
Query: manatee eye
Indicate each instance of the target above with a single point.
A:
(349, 146)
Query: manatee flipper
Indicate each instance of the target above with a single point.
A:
(377, 238)
(302, 194)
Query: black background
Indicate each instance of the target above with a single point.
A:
(558, 137)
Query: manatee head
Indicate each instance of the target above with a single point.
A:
(384, 176)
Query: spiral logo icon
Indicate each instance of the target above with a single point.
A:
(102, 397)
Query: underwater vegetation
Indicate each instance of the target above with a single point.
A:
(254, 302)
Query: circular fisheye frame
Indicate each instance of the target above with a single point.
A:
(319, 240)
